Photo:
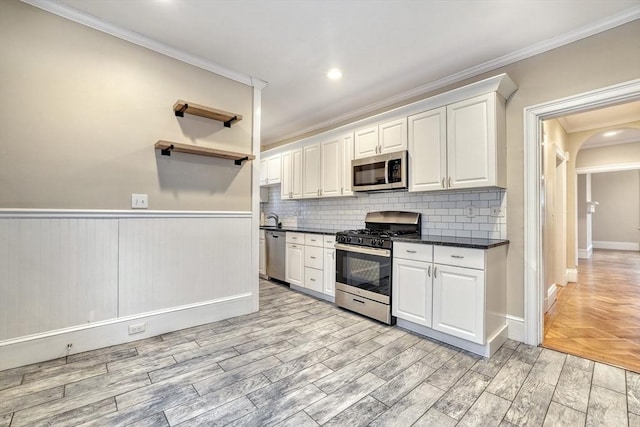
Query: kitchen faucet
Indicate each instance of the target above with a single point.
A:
(274, 216)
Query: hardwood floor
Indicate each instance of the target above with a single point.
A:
(599, 316)
(304, 362)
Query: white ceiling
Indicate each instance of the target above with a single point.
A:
(388, 50)
(614, 118)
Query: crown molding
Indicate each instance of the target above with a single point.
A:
(140, 40)
(597, 27)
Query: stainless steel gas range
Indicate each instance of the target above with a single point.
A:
(364, 262)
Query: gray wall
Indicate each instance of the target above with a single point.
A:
(617, 217)
(82, 110)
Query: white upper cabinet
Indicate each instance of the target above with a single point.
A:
(428, 150)
(383, 138)
(461, 145)
(347, 156)
(366, 142)
(475, 142)
(311, 170)
(331, 171)
(270, 170)
(291, 177)
(393, 136)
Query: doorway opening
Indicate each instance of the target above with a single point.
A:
(536, 291)
(595, 314)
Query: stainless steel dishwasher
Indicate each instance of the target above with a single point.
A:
(276, 253)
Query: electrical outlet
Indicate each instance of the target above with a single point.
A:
(139, 201)
(497, 211)
(137, 328)
(470, 211)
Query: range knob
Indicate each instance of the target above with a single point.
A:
(360, 240)
(348, 239)
(374, 242)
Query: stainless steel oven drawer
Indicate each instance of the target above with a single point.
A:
(364, 306)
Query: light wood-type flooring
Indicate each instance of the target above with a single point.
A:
(303, 362)
(599, 316)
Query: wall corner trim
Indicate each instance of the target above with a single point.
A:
(138, 39)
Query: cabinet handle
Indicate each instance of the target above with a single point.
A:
(443, 182)
(342, 191)
(450, 182)
(457, 256)
(313, 257)
(429, 272)
(411, 252)
(357, 300)
(313, 280)
(435, 272)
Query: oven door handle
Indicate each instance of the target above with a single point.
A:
(363, 250)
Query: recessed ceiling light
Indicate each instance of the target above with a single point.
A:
(334, 74)
(610, 133)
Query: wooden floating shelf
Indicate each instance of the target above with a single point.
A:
(181, 107)
(166, 147)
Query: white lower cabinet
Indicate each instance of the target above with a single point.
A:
(311, 263)
(262, 264)
(460, 292)
(411, 298)
(294, 262)
(329, 283)
(458, 302)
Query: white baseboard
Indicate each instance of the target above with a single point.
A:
(516, 328)
(619, 246)
(493, 343)
(551, 296)
(572, 275)
(51, 345)
(585, 253)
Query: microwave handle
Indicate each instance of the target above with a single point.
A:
(386, 172)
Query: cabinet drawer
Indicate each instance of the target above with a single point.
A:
(295, 238)
(313, 279)
(313, 257)
(313, 240)
(414, 251)
(459, 257)
(329, 241)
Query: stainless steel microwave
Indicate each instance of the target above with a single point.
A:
(381, 172)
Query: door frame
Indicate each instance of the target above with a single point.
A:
(533, 117)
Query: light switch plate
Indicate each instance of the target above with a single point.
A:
(139, 201)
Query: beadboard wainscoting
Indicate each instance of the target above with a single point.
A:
(443, 212)
(81, 278)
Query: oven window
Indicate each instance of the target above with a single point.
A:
(368, 272)
(369, 174)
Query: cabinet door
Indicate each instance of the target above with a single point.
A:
(458, 302)
(273, 168)
(393, 136)
(347, 156)
(311, 171)
(411, 291)
(294, 265)
(428, 150)
(264, 165)
(471, 142)
(285, 176)
(329, 285)
(366, 142)
(296, 174)
(262, 265)
(330, 174)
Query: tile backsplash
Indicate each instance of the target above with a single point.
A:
(443, 213)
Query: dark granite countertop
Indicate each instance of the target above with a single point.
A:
(326, 231)
(460, 242)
